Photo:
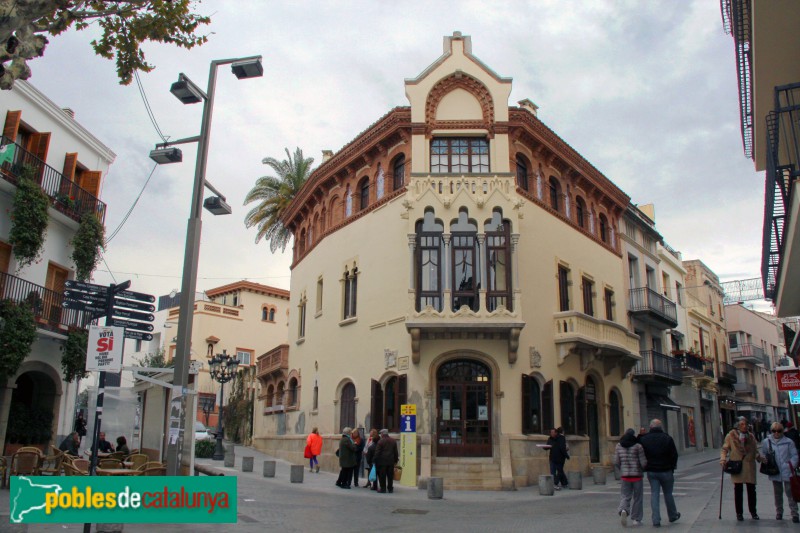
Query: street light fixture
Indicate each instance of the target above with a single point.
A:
(187, 92)
(222, 368)
(165, 156)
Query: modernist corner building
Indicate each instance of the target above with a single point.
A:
(460, 256)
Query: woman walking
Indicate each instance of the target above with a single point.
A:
(740, 445)
(314, 443)
(369, 453)
(786, 458)
(630, 459)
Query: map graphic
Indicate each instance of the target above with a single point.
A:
(28, 496)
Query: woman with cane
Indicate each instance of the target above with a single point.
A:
(740, 445)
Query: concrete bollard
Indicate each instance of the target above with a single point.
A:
(296, 473)
(546, 487)
(230, 455)
(575, 480)
(435, 488)
(247, 464)
(599, 475)
(269, 468)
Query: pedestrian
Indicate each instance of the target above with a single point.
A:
(786, 458)
(80, 427)
(103, 446)
(70, 444)
(740, 445)
(629, 457)
(369, 456)
(558, 456)
(662, 459)
(386, 456)
(122, 445)
(359, 442)
(793, 434)
(314, 443)
(347, 459)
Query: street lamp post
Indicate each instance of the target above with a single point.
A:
(188, 93)
(222, 368)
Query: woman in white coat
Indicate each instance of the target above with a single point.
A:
(786, 457)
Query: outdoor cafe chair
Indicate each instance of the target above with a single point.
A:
(50, 465)
(138, 459)
(25, 463)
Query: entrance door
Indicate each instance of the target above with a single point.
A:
(463, 417)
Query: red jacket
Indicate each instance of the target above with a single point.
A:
(314, 442)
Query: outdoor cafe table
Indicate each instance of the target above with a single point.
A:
(117, 472)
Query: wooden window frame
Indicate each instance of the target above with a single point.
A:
(450, 147)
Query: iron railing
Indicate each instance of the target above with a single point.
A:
(736, 21)
(746, 352)
(745, 389)
(727, 372)
(691, 363)
(45, 304)
(67, 196)
(646, 299)
(657, 364)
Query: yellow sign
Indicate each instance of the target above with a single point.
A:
(408, 459)
(408, 409)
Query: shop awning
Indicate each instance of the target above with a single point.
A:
(662, 401)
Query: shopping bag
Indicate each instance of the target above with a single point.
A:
(794, 480)
(398, 473)
(307, 453)
(770, 467)
(373, 474)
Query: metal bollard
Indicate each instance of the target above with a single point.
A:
(296, 473)
(269, 468)
(546, 487)
(599, 474)
(435, 488)
(575, 480)
(247, 464)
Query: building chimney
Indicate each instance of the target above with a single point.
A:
(529, 106)
(326, 155)
(69, 112)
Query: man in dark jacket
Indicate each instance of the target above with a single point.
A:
(558, 456)
(662, 459)
(347, 459)
(793, 434)
(70, 444)
(386, 456)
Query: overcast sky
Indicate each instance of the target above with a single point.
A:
(646, 91)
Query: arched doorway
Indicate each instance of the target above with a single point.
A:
(347, 413)
(33, 410)
(463, 409)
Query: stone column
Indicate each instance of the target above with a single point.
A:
(412, 246)
(446, 281)
(515, 289)
(481, 263)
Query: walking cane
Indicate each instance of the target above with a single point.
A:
(721, 484)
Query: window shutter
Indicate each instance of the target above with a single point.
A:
(376, 418)
(526, 404)
(70, 163)
(90, 182)
(547, 407)
(402, 392)
(12, 124)
(40, 142)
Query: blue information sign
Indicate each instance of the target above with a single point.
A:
(408, 423)
(794, 395)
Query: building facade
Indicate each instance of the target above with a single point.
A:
(461, 257)
(69, 164)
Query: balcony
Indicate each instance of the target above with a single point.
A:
(690, 363)
(767, 395)
(652, 308)
(748, 353)
(590, 338)
(45, 303)
(727, 374)
(783, 397)
(66, 196)
(745, 389)
(657, 367)
(275, 361)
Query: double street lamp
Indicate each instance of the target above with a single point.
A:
(189, 93)
(222, 368)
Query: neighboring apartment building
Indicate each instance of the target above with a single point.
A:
(459, 256)
(756, 349)
(767, 46)
(69, 164)
(243, 318)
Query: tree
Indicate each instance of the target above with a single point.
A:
(274, 194)
(125, 26)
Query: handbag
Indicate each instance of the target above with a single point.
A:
(733, 467)
(794, 481)
(307, 452)
(373, 475)
(398, 473)
(771, 467)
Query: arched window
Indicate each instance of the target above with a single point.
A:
(567, 394)
(291, 400)
(580, 212)
(279, 395)
(614, 414)
(302, 244)
(380, 183)
(263, 313)
(363, 193)
(603, 228)
(270, 396)
(522, 173)
(347, 412)
(555, 193)
(531, 405)
(272, 315)
(398, 172)
(348, 202)
(465, 270)
(498, 262)
(428, 261)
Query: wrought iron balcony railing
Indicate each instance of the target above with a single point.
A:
(746, 389)
(727, 373)
(645, 301)
(67, 196)
(748, 352)
(45, 303)
(659, 366)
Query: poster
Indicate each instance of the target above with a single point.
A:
(456, 414)
(445, 409)
(483, 412)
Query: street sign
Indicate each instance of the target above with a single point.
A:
(132, 304)
(104, 349)
(794, 397)
(788, 379)
(408, 409)
(408, 423)
(138, 335)
(91, 287)
(133, 314)
(72, 294)
(82, 306)
(131, 295)
(130, 324)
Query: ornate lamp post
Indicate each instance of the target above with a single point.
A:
(222, 368)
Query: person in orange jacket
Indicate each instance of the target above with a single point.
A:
(314, 446)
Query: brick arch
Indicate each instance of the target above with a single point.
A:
(459, 80)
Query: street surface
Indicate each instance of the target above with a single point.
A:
(274, 504)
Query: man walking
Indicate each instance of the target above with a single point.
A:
(386, 456)
(662, 459)
(558, 456)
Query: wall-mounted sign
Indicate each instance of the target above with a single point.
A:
(788, 379)
(104, 349)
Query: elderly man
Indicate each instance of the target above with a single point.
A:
(662, 459)
(71, 443)
(386, 456)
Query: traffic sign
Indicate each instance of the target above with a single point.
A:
(91, 287)
(131, 295)
(72, 294)
(130, 324)
(82, 306)
(135, 315)
(131, 304)
(408, 423)
(138, 335)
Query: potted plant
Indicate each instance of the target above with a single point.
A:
(28, 219)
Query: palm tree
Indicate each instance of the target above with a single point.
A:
(274, 194)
